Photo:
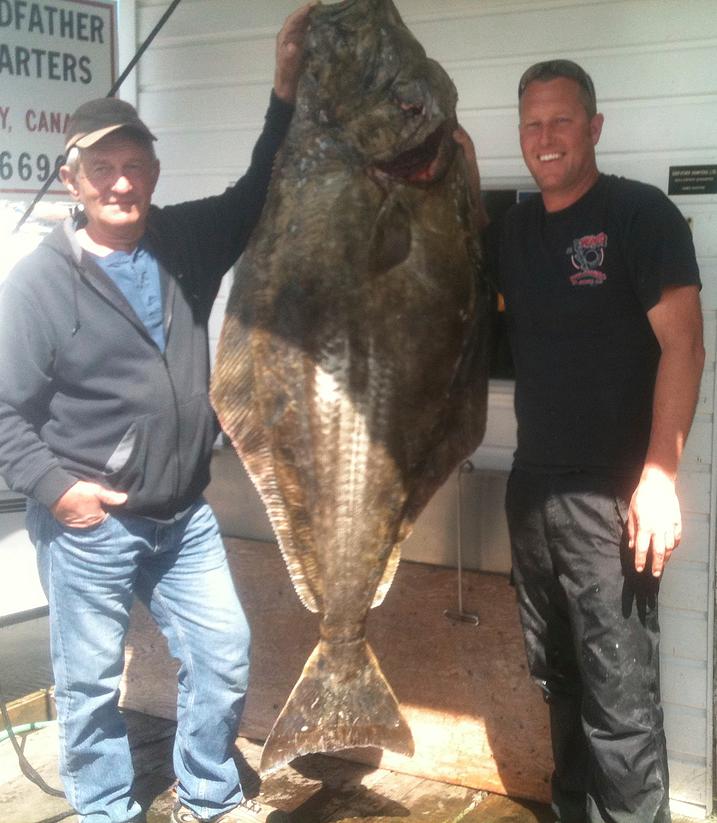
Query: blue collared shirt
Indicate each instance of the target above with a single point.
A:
(136, 274)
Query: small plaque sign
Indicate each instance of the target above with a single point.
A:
(693, 180)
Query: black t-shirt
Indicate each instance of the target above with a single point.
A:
(578, 284)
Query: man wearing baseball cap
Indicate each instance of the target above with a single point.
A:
(106, 426)
(97, 118)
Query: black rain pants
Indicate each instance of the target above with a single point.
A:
(591, 635)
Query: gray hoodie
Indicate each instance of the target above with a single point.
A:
(85, 394)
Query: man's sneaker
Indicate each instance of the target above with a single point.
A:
(248, 811)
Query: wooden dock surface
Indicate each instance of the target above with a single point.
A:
(315, 789)
(476, 717)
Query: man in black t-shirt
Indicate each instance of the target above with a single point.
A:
(602, 299)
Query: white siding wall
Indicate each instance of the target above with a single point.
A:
(203, 88)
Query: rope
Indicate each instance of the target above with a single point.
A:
(25, 767)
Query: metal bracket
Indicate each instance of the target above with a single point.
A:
(458, 615)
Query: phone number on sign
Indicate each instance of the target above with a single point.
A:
(27, 167)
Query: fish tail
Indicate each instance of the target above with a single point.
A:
(341, 701)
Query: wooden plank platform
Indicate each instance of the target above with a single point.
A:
(477, 719)
(39, 705)
(317, 789)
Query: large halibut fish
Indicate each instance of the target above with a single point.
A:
(352, 367)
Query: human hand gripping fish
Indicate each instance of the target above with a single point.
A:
(290, 53)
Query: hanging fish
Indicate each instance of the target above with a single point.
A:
(352, 368)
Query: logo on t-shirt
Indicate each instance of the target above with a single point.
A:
(587, 255)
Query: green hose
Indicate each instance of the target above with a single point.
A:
(26, 727)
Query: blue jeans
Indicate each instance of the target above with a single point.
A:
(180, 571)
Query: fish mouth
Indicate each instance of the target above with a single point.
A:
(423, 163)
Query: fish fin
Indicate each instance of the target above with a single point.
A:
(231, 393)
(390, 241)
(341, 701)
(301, 566)
(388, 574)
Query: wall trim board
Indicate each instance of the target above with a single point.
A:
(519, 59)
(213, 83)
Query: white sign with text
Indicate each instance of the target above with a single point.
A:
(53, 57)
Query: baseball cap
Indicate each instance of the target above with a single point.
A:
(97, 118)
(551, 69)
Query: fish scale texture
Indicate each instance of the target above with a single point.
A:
(351, 373)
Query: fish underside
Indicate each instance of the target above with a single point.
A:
(352, 367)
